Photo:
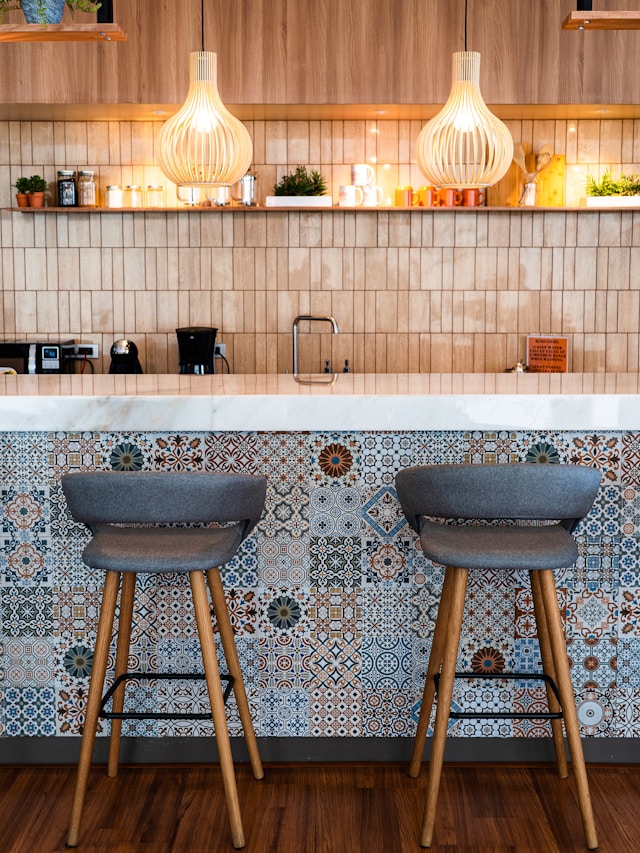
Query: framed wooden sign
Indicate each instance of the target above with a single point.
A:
(547, 354)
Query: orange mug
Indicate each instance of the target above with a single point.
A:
(473, 197)
(428, 197)
(450, 197)
(406, 197)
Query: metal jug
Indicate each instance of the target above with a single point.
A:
(244, 192)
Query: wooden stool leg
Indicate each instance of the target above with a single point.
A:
(122, 658)
(212, 675)
(100, 658)
(233, 663)
(443, 705)
(549, 670)
(433, 668)
(567, 698)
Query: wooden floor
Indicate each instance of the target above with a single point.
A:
(318, 809)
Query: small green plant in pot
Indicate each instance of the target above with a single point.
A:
(46, 11)
(22, 186)
(301, 182)
(625, 185)
(609, 192)
(300, 189)
(37, 187)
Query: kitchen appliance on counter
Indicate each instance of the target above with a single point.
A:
(124, 357)
(34, 357)
(196, 349)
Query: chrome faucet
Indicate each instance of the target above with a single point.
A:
(310, 318)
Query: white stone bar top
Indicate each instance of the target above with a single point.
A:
(496, 401)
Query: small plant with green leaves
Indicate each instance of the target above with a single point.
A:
(82, 6)
(23, 185)
(37, 184)
(301, 182)
(8, 6)
(41, 10)
(625, 185)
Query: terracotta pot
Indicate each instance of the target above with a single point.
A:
(36, 199)
(22, 199)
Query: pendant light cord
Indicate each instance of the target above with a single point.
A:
(202, 23)
(466, 16)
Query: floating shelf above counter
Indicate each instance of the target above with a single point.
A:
(272, 210)
(61, 32)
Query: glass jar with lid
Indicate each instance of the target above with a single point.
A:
(113, 196)
(87, 189)
(132, 196)
(155, 196)
(67, 196)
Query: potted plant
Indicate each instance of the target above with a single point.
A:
(608, 192)
(300, 189)
(22, 186)
(46, 11)
(37, 187)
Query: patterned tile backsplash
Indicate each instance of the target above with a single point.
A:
(333, 603)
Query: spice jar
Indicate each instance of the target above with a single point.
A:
(132, 196)
(87, 189)
(67, 188)
(155, 196)
(113, 196)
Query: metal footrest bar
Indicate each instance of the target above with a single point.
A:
(160, 676)
(506, 715)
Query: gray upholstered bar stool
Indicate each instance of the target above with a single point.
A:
(559, 494)
(132, 516)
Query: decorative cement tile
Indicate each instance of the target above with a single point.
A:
(386, 663)
(335, 561)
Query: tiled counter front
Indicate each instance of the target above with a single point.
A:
(333, 602)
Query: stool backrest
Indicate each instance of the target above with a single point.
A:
(514, 491)
(162, 497)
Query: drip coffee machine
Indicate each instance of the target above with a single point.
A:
(196, 349)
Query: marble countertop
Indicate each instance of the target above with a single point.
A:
(73, 403)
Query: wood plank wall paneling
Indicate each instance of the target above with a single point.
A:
(331, 52)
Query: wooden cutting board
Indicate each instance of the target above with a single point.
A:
(550, 185)
(550, 190)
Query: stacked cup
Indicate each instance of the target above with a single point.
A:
(361, 192)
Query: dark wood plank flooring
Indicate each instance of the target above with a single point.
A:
(333, 808)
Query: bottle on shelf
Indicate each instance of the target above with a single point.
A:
(87, 189)
(67, 195)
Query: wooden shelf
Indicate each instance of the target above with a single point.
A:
(62, 32)
(229, 209)
(602, 21)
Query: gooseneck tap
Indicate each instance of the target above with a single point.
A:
(311, 319)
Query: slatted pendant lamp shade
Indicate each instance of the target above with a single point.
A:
(464, 145)
(203, 145)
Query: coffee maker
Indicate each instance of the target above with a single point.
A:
(196, 349)
(124, 357)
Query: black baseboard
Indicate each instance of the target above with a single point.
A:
(65, 750)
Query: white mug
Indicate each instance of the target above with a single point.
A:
(372, 196)
(362, 175)
(350, 196)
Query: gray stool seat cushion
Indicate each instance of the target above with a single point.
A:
(138, 518)
(155, 549)
(503, 547)
(554, 497)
